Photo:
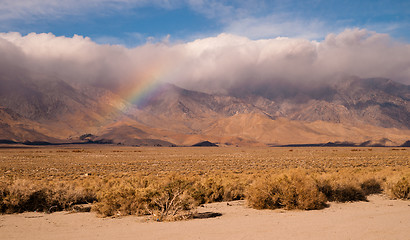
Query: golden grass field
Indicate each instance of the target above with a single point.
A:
(168, 183)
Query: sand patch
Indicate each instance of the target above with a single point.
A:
(379, 218)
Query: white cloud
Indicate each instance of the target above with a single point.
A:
(228, 61)
(70, 59)
(219, 63)
(277, 25)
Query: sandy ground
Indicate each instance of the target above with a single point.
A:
(379, 218)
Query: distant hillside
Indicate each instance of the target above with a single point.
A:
(350, 110)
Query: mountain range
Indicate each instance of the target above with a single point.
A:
(372, 111)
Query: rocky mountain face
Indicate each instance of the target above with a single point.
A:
(379, 102)
(349, 110)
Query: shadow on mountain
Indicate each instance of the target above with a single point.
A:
(205, 144)
(406, 144)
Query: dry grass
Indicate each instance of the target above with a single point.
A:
(168, 183)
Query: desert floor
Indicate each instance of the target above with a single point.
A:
(379, 218)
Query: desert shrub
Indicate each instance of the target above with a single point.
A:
(214, 190)
(199, 193)
(164, 199)
(173, 197)
(234, 190)
(371, 186)
(324, 186)
(261, 194)
(400, 189)
(121, 201)
(170, 200)
(347, 193)
(207, 190)
(308, 196)
(341, 189)
(64, 195)
(23, 195)
(119, 197)
(350, 185)
(297, 191)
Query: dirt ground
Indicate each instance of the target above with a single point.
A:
(379, 218)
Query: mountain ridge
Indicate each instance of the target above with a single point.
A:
(350, 110)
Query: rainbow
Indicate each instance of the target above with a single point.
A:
(144, 85)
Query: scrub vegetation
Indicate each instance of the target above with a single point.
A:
(168, 184)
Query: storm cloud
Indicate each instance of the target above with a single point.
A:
(215, 64)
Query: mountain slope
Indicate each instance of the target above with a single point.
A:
(356, 110)
(353, 101)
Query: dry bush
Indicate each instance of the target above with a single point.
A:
(234, 190)
(208, 190)
(119, 197)
(217, 188)
(121, 201)
(164, 199)
(63, 195)
(349, 185)
(371, 186)
(400, 189)
(341, 191)
(296, 191)
(340, 187)
(170, 200)
(24, 195)
(299, 190)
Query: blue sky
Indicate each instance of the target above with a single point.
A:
(134, 22)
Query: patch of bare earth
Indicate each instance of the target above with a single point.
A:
(379, 218)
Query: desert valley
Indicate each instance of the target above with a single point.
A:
(176, 119)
